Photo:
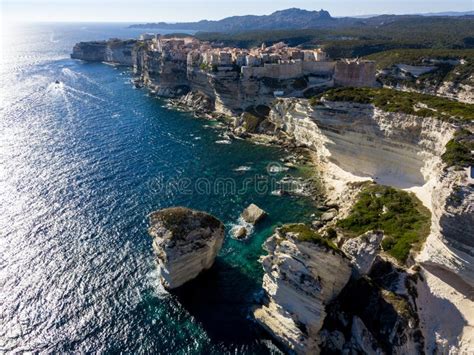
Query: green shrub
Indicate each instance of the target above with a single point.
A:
(304, 233)
(331, 233)
(315, 101)
(251, 122)
(179, 220)
(402, 217)
(458, 150)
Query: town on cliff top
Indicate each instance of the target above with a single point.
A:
(172, 66)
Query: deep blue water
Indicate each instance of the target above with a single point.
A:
(82, 163)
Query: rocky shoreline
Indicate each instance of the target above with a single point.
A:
(412, 324)
(310, 308)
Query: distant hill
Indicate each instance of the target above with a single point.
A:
(447, 13)
(284, 20)
(450, 13)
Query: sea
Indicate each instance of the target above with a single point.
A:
(84, 158)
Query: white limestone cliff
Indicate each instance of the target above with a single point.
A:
(300, 279)
(363, 250)
(186, 242)
(112, 51)
(353, 142)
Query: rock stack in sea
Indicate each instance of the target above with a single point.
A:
(186, 242)
(253, 214)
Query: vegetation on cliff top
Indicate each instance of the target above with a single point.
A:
(181, 220)
(412, 103)
(304, 233)
(409, 32)
(444, 69)
(402, 217)
(369, 36)
(386, 59)
(458, 150)
(250, 122)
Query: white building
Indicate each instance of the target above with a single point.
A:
(252, 61)
(470, 175)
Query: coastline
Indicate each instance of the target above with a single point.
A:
(341, 188)
(355, 148)
(344, 214)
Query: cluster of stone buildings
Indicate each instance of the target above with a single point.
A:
(275, 62)
(198, 52)
(278, 53)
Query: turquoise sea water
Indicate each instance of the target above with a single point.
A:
(82, 163)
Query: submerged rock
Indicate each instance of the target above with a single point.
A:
(185, 241)
(240, 232)
(252, 214)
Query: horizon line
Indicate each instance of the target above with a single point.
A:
(144, 21)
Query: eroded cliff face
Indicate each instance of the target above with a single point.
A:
(393, 148)
(373, 315)
(186, 242)
(162, 73)
(231, 93)
(168, 75)
(111, 51)
(90, 51)
(300, 279)
(446, 78)
(449, 250)
(461, 92)
(354, 141)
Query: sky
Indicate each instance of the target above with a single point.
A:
(187, 10)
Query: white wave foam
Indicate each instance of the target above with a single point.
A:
(243, 168)
(69, 73)
(154, 279)
(241, 223)
(277, 192)
(80, 92)
(277, 169)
